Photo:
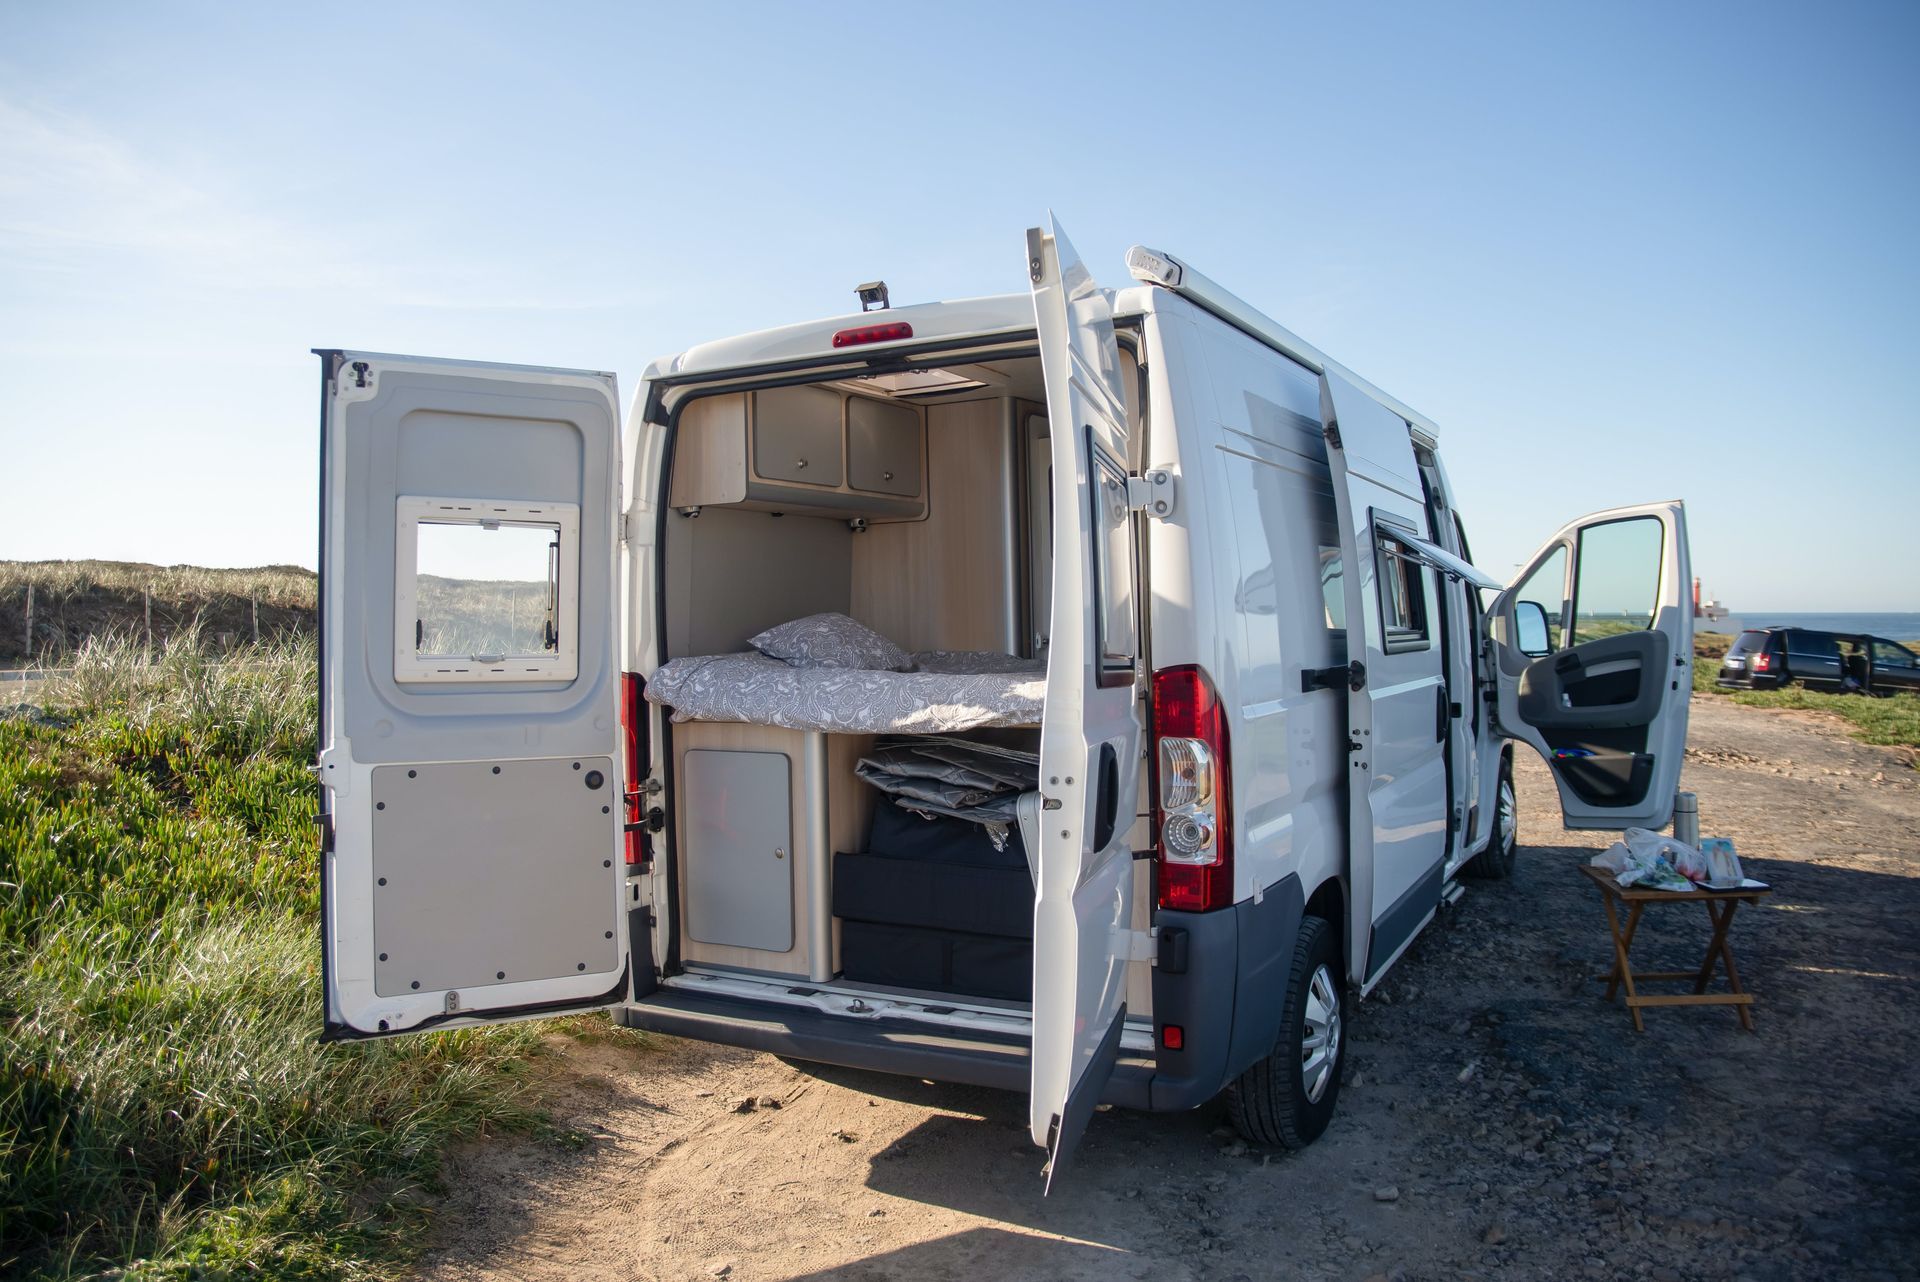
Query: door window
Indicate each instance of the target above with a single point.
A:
(1617, 584)
(1403, 592)
(1889, 654)
(486, 589)
(1113, 556)
(1546, 587)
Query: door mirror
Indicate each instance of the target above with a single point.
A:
(1530, 635)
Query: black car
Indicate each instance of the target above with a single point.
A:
(1767, 658)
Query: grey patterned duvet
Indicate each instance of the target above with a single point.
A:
(948, 691)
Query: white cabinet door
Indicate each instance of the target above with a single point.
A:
(469, 693)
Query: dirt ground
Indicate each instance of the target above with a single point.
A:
(1498, 1119)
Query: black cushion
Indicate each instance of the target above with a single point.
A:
(904, 835)
(879, 887)
(943, 961)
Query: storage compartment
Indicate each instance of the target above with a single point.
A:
(941, 961)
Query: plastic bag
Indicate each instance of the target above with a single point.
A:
(1645, 858)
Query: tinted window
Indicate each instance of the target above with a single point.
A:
(1403, 593)
(1617, 584)
(1888, 654)
(1821, 645)
(1545, 587)
(1113, 555)
(1747, 643)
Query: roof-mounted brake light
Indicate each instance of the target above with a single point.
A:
(889, 333)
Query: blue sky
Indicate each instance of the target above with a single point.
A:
(1618, 253)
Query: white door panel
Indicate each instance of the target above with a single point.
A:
(469, 693)
(1090, 738)
(1606, 704)
(1396, 696)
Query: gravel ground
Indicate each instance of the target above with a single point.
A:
(1498, 1119)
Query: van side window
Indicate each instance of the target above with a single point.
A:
(1113, 571)
(1403, 593)
(1333, 589)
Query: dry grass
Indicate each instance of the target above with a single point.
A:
(281, 585)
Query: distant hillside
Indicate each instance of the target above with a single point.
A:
(73, 600)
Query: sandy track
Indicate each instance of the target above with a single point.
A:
(1497, 1120)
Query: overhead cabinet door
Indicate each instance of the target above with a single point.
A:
(469, 693)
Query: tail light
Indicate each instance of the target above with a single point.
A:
(1192, 814)
(631, 711)
(1763, 662)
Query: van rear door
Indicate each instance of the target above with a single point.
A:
(1090, 738)
(1593, 654)
(469, 693)
(1397, 699)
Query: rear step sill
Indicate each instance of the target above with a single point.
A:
(953, 1014)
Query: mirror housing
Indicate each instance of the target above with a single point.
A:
(1530, 634)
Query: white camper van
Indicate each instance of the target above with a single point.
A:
(1084, 692)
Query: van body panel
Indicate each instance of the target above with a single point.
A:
(1396, 719)
(470, 783)
(1091, 734)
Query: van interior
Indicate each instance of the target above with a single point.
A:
(917, 503)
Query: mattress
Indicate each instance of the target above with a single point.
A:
(948, 691)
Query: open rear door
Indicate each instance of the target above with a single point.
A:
(469, 693)
(1593, 653)
(1090, 739)
(1397, 700)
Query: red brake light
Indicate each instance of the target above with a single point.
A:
(631, 711)
(1173, 1037)
(1199, 879)
(1762, 662)
(888, 333)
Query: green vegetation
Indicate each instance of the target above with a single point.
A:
(1892, 721)
(76, 600)
(165, 1108)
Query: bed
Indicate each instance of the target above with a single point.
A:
(948, 691)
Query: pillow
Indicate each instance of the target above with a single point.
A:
(831, 641)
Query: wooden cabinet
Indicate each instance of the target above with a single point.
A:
(812, 450)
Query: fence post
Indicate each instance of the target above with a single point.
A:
(146, 612)
(255, 602)
(29, 649)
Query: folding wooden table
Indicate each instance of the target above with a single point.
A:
(1720, 907)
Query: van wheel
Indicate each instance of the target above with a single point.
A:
(1287, 1098)
(1496, 861)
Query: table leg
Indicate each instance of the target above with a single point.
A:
(1745, 1009)
(1717, 946)
(1620, 961)
(1633, 924)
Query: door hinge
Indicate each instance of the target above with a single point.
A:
(1138, 945)
(1152, 493)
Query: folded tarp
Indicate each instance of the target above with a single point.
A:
(936, 775)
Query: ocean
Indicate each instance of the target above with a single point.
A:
(1896, 626)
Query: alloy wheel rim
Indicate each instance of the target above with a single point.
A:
(1507, 826)
(1320, 1035)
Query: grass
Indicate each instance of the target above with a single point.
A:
(1893, 721)
(165, 1108)
(283, 585)
(73, 601)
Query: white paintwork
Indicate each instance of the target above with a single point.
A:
(1667, 738)
(351, 1000)
(1396, 769)
(1083, 905)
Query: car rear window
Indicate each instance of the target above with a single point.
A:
(1747, 643)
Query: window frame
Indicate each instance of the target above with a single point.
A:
(1409, 640)
(1113, 667)
(562, 663)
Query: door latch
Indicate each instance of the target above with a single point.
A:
(1351, 675)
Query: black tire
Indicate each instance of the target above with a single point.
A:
(1495, 863)
(1271, 1102)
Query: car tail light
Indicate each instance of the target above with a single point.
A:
(889, 333)
(631, 711)
(1193, 835)
(1763, 662)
